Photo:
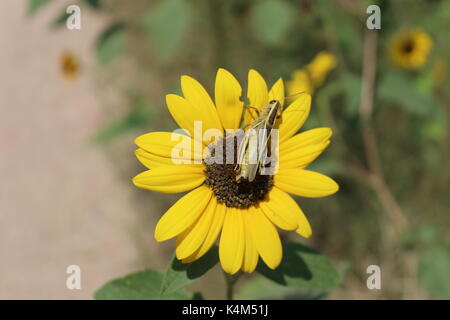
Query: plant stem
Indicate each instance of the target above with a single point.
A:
(230, 281)
(376, 177)
(375, 171)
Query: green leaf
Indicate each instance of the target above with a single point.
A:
(179, 275)
(143, 285)
(397, 88)
(94, 4)
(302, 268)
(35, 5)
(61, 19)
(166, 23)
(257, 289)
(111, 43)
(434, 267)
(272, 20)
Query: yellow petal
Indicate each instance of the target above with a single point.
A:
(182, 214)
(305, 183)
(250, 254)
(173, 146)
(301, 157)
(294, 116)
(307, 138)
(194, 119)
(183, 112)
(194, 92)
(227, 95)
(213, 233)
(257, 94)
(304, 228)
(300, 150)
(277, 91)
(151, 160)
(281, 209)
(257, 90)
(170, 179)
(232, 241)
(190, 240)
(265, 237)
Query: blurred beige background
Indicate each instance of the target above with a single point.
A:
(60, 201)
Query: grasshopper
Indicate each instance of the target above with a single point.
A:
(255, 147)
(253, 150)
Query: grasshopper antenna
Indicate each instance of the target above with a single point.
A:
(293, 95)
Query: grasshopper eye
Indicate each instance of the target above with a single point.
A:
(273, 101)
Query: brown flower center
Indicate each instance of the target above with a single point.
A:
(221, 177)
(408, 46)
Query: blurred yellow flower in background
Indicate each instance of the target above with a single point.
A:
(244, 213)
(313, 75)
(410, 49)
(301, 82)
(70, 66)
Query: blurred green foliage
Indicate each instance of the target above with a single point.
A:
(272, 20)
(434, 262)
(111, 43)
(95, 4)
(434, 266)
(165, 38)
(411, 99)
(137, 117)
(35, 5)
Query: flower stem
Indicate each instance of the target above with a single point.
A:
(230, 281)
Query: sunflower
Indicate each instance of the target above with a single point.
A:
(244, 214)
(313, 75)
(410, 49)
